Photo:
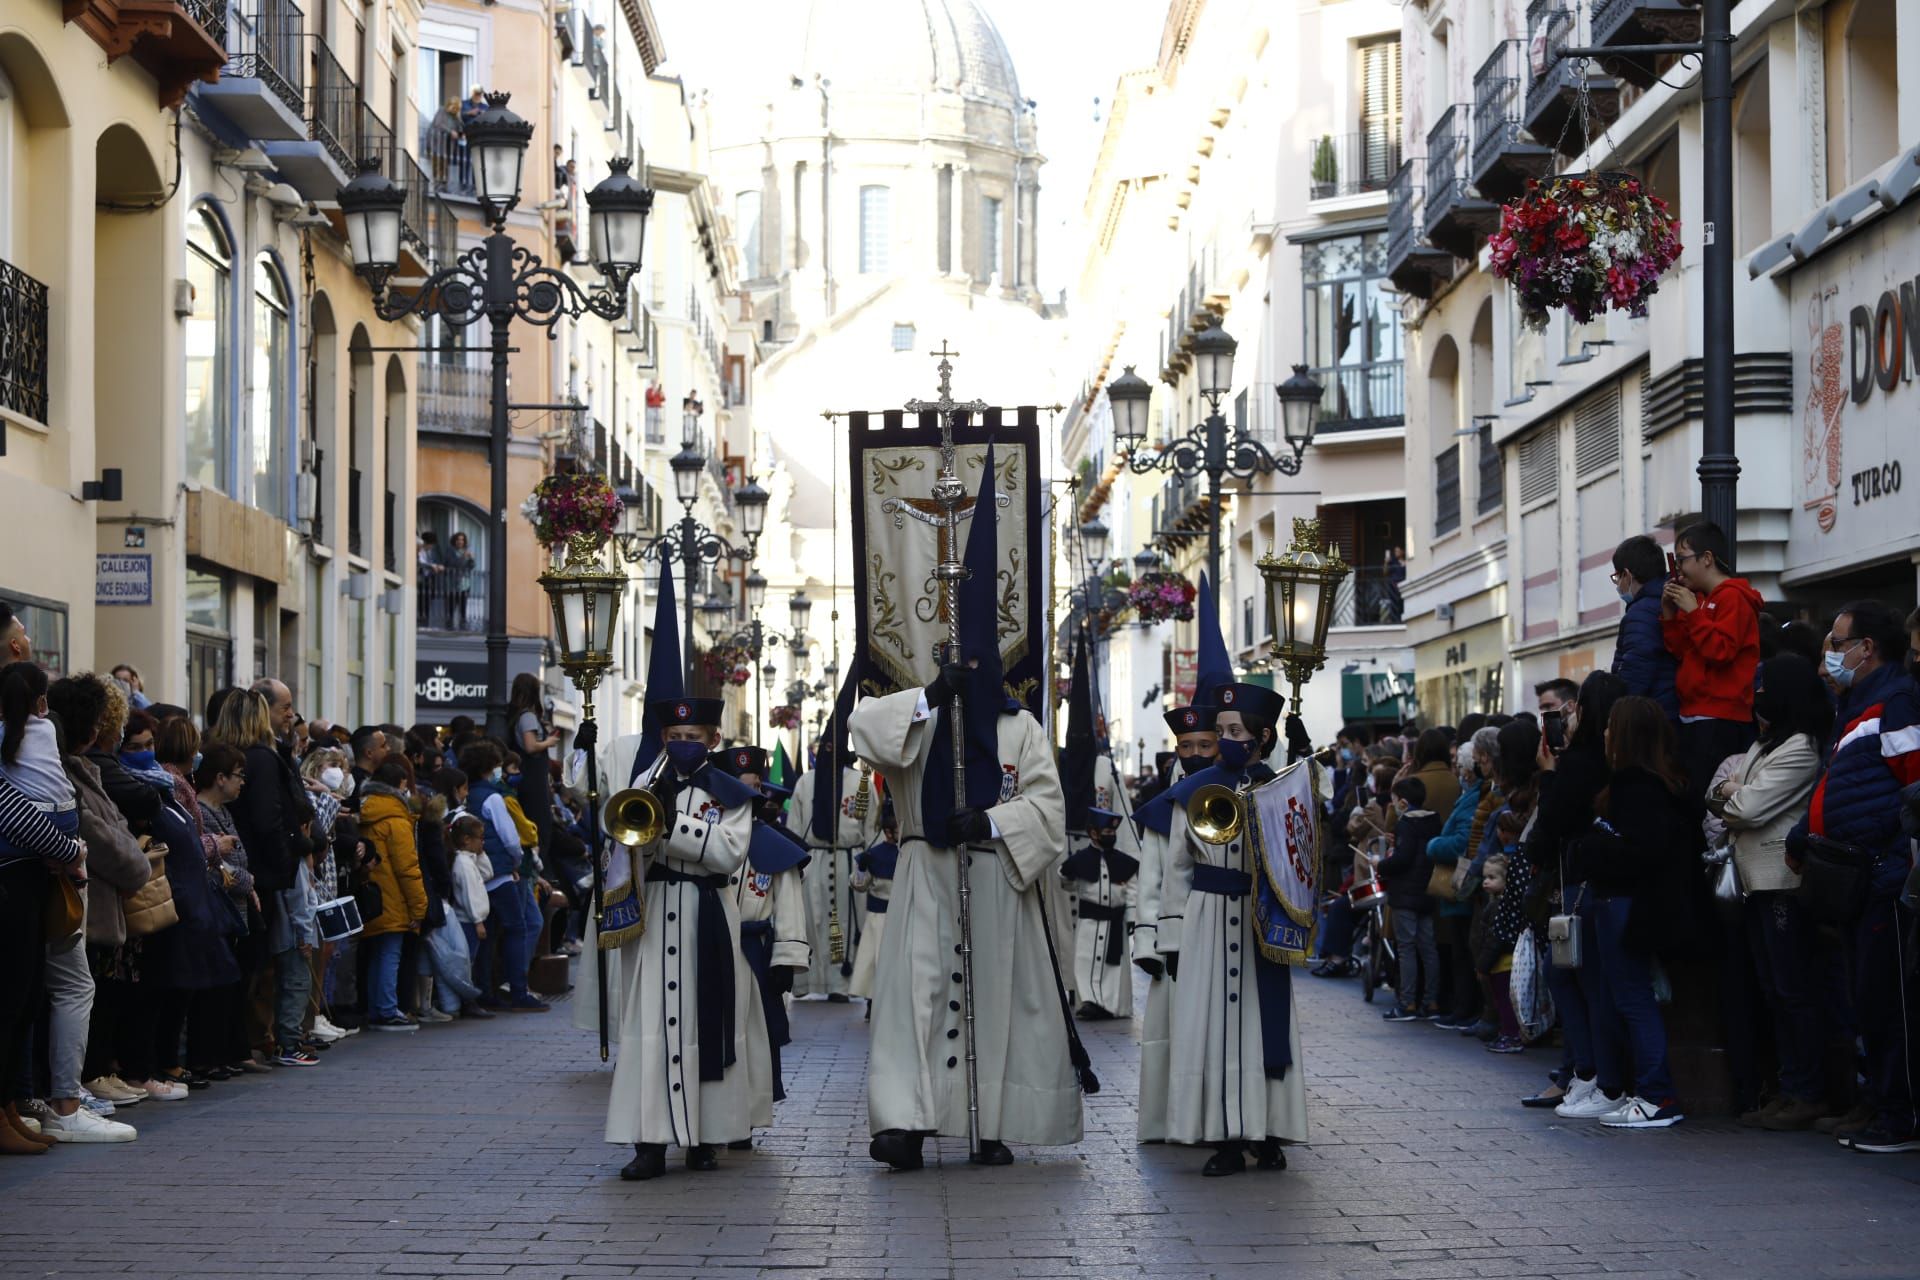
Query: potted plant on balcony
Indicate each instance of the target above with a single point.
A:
(1161, 596)
(727, 664)
(1584, 243)
(785, 716)
(576, 512)
(1326, 169)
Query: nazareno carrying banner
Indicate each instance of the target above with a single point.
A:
(893, 459)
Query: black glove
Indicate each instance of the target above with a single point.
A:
(1299, 745)
(969, 826)
(781, 980)
(1152, 968)
(586, 735)
(951, 680)
(1173, 965)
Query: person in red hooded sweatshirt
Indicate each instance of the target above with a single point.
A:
(1710, 621)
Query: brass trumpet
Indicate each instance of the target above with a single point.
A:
(634, 816)
(1217, 814)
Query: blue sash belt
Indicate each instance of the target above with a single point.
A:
(756, 944)
(876, 906)
(1275, 981)
(714, 998)
(1116, 936)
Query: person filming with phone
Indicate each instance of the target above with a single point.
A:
(1710, 621)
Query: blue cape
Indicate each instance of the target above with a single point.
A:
(1157, 814)
(775, 849)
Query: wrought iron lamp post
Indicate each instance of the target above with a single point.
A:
(1209, 449)
(1301, 582)
(501, 282)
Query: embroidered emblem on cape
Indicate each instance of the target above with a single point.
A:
(710, 811)
(1009, 782)
(760, 884)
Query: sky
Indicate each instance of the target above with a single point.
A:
(1067, 53)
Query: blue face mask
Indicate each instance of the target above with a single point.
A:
(138, 759)
(1626, 596)
(1346, 755)
(1837, 669)
(686, 756)
(1235, 753)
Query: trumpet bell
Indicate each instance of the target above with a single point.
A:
(634, 816)
(1217, 814)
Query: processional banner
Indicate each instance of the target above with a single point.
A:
(1286, 837)
(900, 619)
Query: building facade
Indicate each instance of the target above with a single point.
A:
(1531, 454)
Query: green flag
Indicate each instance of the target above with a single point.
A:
(781, 768)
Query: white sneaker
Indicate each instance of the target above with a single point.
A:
(324, 1028)
(1638, 1113)
(1584, 1101)
(164, 1090)
(84, 1126)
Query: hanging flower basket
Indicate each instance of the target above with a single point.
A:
(784, 717)
(570, 508)
(1584, 243)
(1161, 596)
(727, 664)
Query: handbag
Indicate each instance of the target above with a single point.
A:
(1834, 879)
(1723, 873)
(65, 911)
(150, 908)
(1440, 882)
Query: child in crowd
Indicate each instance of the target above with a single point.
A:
(30, 747)
(1505, 879)
(468, 836)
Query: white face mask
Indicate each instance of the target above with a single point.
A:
(332, 776)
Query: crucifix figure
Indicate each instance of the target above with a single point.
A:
(948, 490)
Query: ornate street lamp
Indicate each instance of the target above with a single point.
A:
(1300, 398)
(1128, 396)
(498, 281)
(1094, 536)
(756, 592)
(799, 609)
(1301, 582)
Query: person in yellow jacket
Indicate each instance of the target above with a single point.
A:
(387, 825)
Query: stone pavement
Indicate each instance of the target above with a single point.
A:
(474, 1150)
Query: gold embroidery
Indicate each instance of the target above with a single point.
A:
(886, 620)
(887, 474)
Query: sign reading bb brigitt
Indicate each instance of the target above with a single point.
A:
(123, 579)
(450, 686)
(1856, 345)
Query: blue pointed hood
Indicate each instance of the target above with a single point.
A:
(1077, 760)
(1213, 669)
(664, 682)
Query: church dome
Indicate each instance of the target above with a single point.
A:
(912, 46)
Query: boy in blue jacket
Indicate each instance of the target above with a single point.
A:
(1640, 654)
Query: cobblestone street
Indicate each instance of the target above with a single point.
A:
(474, 1150)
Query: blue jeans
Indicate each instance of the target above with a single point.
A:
(383, 975)
(1587, 1016)
(444, 958)
(1628, 976)
(517, 919)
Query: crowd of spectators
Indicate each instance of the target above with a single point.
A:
(1734, 803)
(177, 890)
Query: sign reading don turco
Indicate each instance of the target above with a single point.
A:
(1856, 350)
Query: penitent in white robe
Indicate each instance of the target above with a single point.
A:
(878, 889)
(916, 1074)
(1217, 1086)
(1110, 986)
(829, 877)
(657, 1094)
(1154, 1022)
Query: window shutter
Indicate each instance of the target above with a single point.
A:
(1446, 490)
(1339, 529)
(1493, 473)
(1540, 465)
(1380, 108)
(1596, 432)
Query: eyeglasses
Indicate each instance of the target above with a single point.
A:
(1840, 644)
(1690, 555)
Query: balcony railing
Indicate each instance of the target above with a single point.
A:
(1505, 155)
(374, 140)
(1618, 22)
(454, 396)
(1368, 598)
(1357, 397)
(23, 343)
(331, 102)
(1414, 266)
(1352, 164)
(444, 153)
(451, 599)
(263, 44)
(1456, 216)
(416, 216)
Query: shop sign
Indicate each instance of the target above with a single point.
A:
(451, 685)
(1856, 350)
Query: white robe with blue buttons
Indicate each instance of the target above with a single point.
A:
(916, 1073)
(830, 876)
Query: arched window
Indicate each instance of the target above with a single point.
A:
(268, 411)
(208, 342)
(875, 230)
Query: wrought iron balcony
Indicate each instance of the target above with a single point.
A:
(23, 344)
(261, 89)
(1505, 155)
(451, 598)
(1414, 266)
(444, 153)
(319, 161)
(1361, 397)
(1618, 22)
(1554, 83)
(1353, 164)
(454, 394)
(1457, 217)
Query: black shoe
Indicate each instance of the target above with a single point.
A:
(472, 1009)
(1091, 1012)
(1333, 969)
(898, 1148)
(838, 997)
(700, 1158)
(1229, 1159)
(1271, 1156)
(649, 1161)
(216, 1073)
(1397, 1014)
(992, 1151)
(743, 1144)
